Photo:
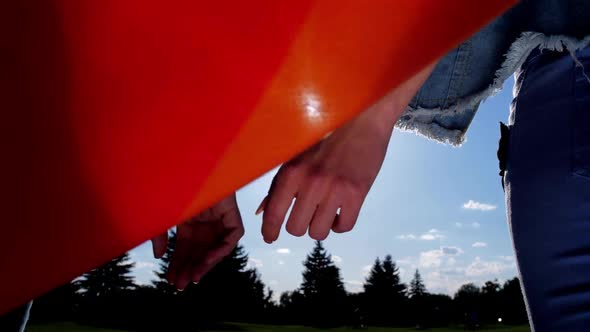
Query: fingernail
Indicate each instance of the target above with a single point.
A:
(261, 206)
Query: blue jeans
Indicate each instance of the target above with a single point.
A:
(547, 184)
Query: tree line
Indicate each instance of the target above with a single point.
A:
(233, 292)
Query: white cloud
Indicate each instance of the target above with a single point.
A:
(273, 282)
(407, 237)
(444, 281)
(458, 224)
(366, 270)
(444, 270)
(284, 251)
(145, 265)
(451, 251)
(432, 234)
(254, 263)
(353, 286)
(479, 245)
(434, 258)
(475, 224)
(402, 271)
(354, 282)
(336, 259)
(480, 267)
(431, 258)
(453, 271)
(473, 205)
(404, 261)
(407, 266)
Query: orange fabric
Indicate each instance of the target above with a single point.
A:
(342, 61)
(119, 118)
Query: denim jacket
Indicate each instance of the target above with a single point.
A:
(447, 102)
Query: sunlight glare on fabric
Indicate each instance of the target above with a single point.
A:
(312, 105)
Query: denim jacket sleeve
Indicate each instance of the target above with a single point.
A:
(444, 107)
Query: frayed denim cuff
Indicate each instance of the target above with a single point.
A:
(442, 110)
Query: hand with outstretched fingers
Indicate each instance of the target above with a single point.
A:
(329, 181)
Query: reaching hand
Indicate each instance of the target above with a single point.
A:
(336, 174)
(202, 242)
(330, 180)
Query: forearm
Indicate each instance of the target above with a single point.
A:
(331, 179)
(384, 114)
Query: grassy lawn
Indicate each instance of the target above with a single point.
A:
(69, 327)
(270, 328)
(64, 327)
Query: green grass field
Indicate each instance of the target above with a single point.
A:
(69, 327)
(64, 327)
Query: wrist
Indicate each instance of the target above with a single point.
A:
(383, 115)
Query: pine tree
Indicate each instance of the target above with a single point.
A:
(372, 283)
(417, 288)
(321, 275)
(384, 279)
(384, 294)
(395, 287)
(110, 279)
(161, 283)
(161, 301)
(229, 292)
(106, 293)
(421, 313)
(323, 289)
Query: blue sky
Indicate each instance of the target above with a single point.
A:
(433, 207)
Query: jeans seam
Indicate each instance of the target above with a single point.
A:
(513, 127)
(459, 73)
(576, 166)
(466, 71)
